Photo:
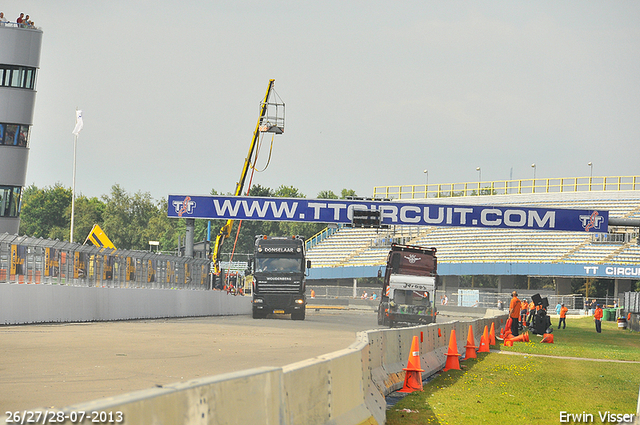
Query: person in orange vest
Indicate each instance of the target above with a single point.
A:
(597, 316)
(514, 313)
(524, 305)
(563, 317)
(532, 312)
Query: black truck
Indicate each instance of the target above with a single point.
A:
(409, 286)
(279, 275)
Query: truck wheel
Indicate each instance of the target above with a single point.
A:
(298, 314)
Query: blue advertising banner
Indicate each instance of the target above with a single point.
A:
(392, 213)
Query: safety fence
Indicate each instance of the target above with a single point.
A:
(345, 387)
(632, 302)
(30, 260)
(508, 187)
(468, 297)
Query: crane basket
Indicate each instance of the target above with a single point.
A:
(273, 120)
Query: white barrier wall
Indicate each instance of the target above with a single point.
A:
(20, 304)
(347, 387)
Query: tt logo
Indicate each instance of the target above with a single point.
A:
(185, 206)
(592, 221)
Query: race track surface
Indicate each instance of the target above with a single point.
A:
(58, 365)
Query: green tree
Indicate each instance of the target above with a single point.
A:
(46, 212)
(88, 211)
(287, 192)
(126, 217)
(347, 193)
(327, 194)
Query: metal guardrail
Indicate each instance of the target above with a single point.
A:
(320, 236)
(509, 187)
(30, 260)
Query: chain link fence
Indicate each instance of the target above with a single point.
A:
(30, 260)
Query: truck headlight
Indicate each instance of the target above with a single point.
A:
(258, 301)
(299, 301)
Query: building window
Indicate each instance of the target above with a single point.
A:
(14, 135)
(9, 201)
(21, 77)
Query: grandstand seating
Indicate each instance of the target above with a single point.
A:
(369, 247)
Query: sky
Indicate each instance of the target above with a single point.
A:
(375, 92)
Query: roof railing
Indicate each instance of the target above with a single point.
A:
(509, 187)
(17, 25)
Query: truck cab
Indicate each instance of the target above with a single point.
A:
(279, 276)
(409, 286)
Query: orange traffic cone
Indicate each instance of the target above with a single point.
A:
(484, 341)
(492, 334)
(547, 338)
(471, 345)
(413, 375)
(501, 336)
(508, 343)
(507, 329)
(520, 338)
(452, 355)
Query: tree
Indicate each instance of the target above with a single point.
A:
(88, 211)
(126, 218)
(46, 212)
(347, 193)
(327, 194)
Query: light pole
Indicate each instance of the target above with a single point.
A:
(533, 185)
(590, 164)
(75, 132)
(426, 186)
(479, 178)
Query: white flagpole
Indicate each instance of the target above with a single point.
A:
(73, 187)
(76, 131)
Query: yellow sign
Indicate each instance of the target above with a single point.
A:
(130, 272)
(99, 238)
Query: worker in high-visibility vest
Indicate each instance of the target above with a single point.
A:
(514, 313)
(524, 306)
(532, 312)
(563, 316)
(597, 316)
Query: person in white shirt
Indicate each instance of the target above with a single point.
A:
(3, 20)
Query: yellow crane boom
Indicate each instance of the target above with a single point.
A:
(263, 125)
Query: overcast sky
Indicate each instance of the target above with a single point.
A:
(375, 92)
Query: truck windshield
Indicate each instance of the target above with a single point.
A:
(279, 264)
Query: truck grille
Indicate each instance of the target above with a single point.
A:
(278, 288)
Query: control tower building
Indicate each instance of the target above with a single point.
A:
(19, 63)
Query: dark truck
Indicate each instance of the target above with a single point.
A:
(279, 274)
(409, 286)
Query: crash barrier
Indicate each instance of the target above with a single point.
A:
(22, 304)
(344, 387)
(26, 260)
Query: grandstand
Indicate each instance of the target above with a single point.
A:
(350, 247)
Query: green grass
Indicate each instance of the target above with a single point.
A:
(514, 389)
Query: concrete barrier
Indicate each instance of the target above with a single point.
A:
(346, 387)
(22, 304)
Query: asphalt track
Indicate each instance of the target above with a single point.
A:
(58, 365)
